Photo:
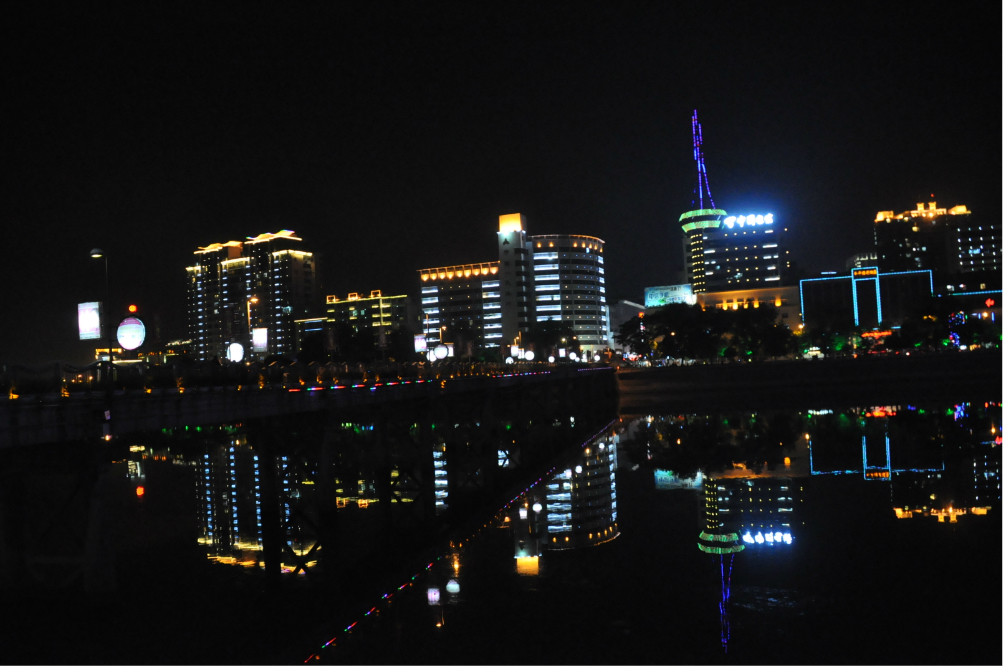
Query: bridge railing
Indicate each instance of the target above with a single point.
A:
(66, 379)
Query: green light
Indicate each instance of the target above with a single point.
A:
(719, 537)
(702, 224)
(702, 211)
(717, 550)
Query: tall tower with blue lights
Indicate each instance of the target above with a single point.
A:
(702, 216)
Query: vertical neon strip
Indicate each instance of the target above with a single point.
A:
(877, 291)
(856, 315)
(888, 453)
(863, 446)
(801, 293)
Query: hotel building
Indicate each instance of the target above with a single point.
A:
(536, 279)
(571, 286)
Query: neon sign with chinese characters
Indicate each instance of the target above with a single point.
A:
(748, 220)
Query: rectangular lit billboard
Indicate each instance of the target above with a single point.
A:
(89, 320)
(259, 340)
(677, 293)
(420, 345)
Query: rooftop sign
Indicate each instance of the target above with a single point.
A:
(748, 220)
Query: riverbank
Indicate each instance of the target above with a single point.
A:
(816, 384)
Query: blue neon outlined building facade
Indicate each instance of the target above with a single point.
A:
(866, 297)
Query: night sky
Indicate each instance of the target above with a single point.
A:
(390, 138)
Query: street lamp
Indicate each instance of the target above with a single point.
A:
(250, 336)
(252, 299)
(98, 253)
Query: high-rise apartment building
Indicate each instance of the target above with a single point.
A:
(957, 245)
(536, 279)
(249, 293)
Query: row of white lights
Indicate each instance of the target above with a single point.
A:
(771, 537)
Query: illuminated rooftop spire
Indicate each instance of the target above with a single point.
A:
(702, 182)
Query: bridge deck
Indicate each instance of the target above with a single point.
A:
(43, 419)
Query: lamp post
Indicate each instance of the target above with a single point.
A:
(98, 253)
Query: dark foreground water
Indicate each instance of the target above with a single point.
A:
(855, 535)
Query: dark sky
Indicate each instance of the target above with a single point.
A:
(391, 137)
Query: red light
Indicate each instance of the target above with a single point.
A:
(140, 491)
(990, 302)
(133, 308)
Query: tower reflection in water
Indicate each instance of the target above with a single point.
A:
(574, 508)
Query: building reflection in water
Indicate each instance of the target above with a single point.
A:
(229, 484)
(574, 508)
(921, 453)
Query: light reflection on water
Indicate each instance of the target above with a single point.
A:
(787, 508)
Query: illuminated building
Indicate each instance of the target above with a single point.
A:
(761, 510)
(376, 312)
(786, 301)
(724, 252)
(952, 242)
(535, 279)
(986, 473)
(949, 514)
(866, 297)
(743, 252)
(467, 295)
(373, 311)
(580, 502)
(515, 259)
(571, 285)
(862, 260)
(249, 292)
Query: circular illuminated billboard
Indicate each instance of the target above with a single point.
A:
(131, 333)
(441, 351)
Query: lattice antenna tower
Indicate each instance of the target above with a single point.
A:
(702, 183)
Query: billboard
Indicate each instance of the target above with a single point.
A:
(259, 340)
(131, 333)
(420, 345)
(89, 320)
(677, 293)
(666, 479)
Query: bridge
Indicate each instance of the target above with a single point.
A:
(76, 404)
(816, 384)
(300, 433)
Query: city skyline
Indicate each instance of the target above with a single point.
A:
(148, 134)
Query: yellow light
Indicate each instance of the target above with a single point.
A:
(509, 223)
(528, 566)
